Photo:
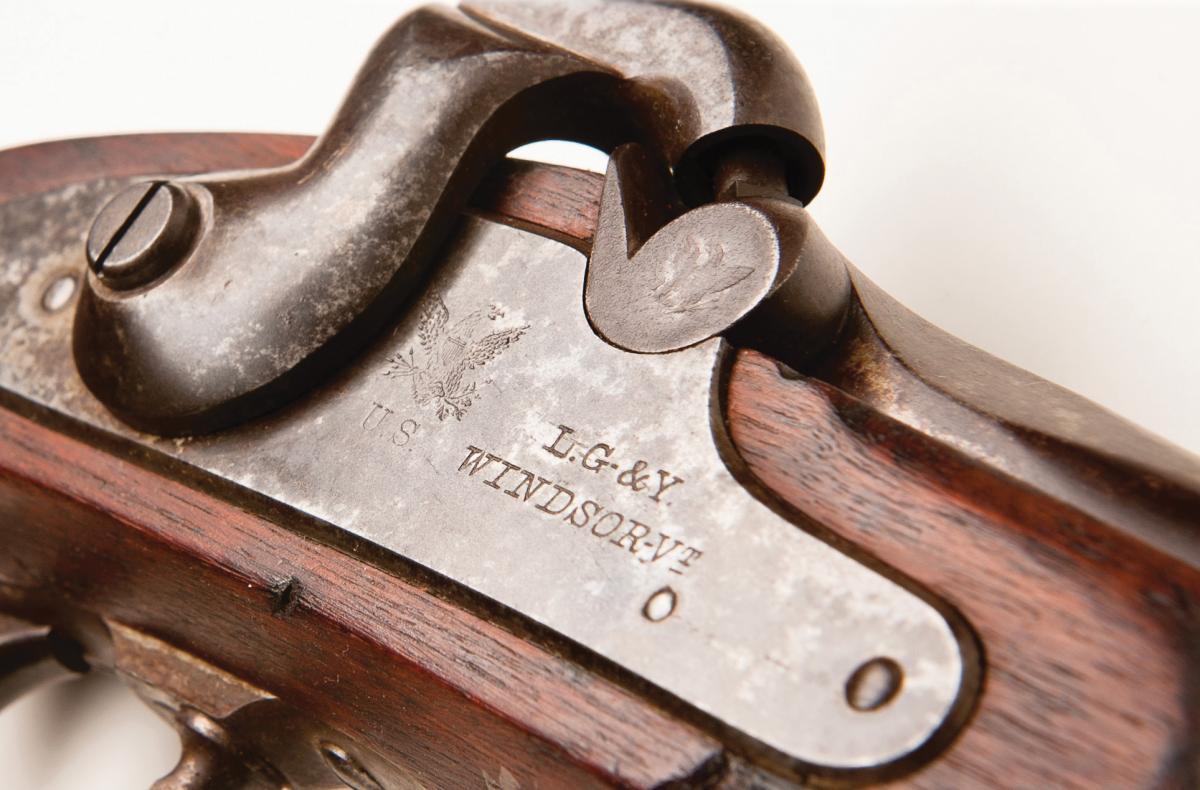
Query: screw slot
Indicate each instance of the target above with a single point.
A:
(141, 233)
(874, 684)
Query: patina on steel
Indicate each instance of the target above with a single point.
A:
(493, 437)
(657, 283)
(715, 80)
(295, 269)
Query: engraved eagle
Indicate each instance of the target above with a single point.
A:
(449, 354)
(694, 276)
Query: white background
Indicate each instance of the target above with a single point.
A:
(1025, 176)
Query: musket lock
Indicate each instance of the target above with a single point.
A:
(217, 298)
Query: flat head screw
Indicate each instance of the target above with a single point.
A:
(141, 233)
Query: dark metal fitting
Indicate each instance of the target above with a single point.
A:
(707, 79)
(355, 224)
(657, 282)
(141, 233)
(750, 170)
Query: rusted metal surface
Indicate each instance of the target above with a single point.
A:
(493, 432)
(296, 268)
(492, 374)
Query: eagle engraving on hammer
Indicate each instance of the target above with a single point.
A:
(443, 376)
(695, 276)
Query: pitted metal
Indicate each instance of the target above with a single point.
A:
(496, 439)
(295, 269)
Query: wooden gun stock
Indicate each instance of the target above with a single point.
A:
(1065, 538)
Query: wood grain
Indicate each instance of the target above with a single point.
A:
(45, 166)
(433, 687)
(1091, 637)
(437, 689)
(556, 201)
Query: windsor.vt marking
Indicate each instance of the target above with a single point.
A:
(569, 505)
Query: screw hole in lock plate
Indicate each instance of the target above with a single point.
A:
(59, 293)
(874, 684)
(660, 605)
(348, 769)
